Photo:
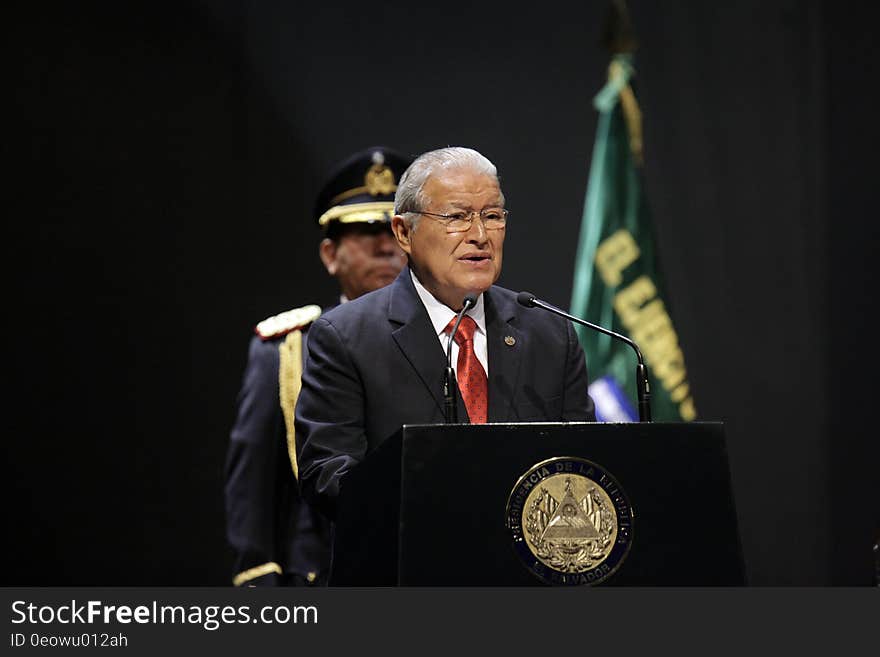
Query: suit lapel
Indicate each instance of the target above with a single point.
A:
(414, 334)
(505, 343)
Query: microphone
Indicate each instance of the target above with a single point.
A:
(643, 387)
(450, 409)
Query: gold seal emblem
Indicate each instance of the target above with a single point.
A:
(570, 521)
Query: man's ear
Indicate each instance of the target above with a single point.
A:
(327, 250)
(402, 230)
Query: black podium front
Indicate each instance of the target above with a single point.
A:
(429, 506)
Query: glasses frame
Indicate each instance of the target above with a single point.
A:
(470, 218)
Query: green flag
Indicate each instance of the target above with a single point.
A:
(617, 280)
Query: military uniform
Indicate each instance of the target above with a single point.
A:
(277, 539)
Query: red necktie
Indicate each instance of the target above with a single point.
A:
(471, 375)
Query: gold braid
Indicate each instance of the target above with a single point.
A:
(289, 384)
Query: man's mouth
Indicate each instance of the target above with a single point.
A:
(476, 258)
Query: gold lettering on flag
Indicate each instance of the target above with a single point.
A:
(616, 252)
(644, 316)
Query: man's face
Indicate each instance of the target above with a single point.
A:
(365, 258)
(452, 265)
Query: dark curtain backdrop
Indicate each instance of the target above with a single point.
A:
(164, 164)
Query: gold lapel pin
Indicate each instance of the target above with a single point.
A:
(509, 340)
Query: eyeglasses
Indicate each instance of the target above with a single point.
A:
(461, 221)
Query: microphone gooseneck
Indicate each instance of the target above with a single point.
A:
(450, 409)
(643, 388)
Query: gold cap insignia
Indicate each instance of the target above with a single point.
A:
(379, 180)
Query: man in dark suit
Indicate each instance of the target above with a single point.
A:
(276, 538)
(379, 362)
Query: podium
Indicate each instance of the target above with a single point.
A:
(430, 506)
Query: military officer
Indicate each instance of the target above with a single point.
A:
(276, 538)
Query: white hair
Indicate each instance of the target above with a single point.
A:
(410, 197)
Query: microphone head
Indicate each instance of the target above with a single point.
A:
(526, 299)
(469, 300)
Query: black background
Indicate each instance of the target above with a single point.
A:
(163, 159)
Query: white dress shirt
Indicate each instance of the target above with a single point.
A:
(440, 315)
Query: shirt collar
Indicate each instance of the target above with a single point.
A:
(440, 313)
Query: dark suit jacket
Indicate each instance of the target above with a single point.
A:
(375, 364)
